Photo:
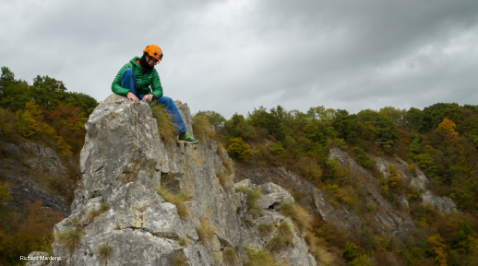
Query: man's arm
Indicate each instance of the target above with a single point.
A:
(116, 86)
(156, 85)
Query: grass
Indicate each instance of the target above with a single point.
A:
(177, 199)
(70, 239)
(180, 260)
(317, 249)
(166, 128)
(260, 257)
(229, 256)
(297, 214)
(205, 230)
(283, 237)
(265, 229)
(96, 212)
(248, 222)
(104, 251)
(223, 178)
(276, 243)
(321, 255)
(285, 231)
(201, 127)
(370, 207)
(222, 153)
(253, 195)
(183, 242)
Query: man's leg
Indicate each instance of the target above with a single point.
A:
(173, 111)
(128, 81)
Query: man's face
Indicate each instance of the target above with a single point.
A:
(151, 61)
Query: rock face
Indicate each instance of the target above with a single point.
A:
(385, 216)
(118, 210)
(29, 167)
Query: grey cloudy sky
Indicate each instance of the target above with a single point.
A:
(232, 56)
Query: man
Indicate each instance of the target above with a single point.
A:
(133, 81)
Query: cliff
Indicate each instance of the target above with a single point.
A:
(119, 218)
(148, 200)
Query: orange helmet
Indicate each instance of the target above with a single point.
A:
(154, 51)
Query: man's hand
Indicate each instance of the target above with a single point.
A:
(132, 97)
(148, 98)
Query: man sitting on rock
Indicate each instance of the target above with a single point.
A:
(133, 81)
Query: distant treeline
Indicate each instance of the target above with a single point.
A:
(47, 114)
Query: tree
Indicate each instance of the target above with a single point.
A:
(6, 79)
(216, 119)
(347, 126)
(261, 118)
(238, 127)
(49, 84)
(387, 131)
(398, 116)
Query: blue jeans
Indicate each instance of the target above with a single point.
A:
(128, 81)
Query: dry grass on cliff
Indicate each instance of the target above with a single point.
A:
(224, 178)
(201, 127)
(70, 239)
(260, 257)
(183, 241)
(166, 128)
(205, 230)
(96, 212)
(318, 250)
(285, 230)
(297, 214)
(222, 153)
(253, 195)
(104, 252)
(265, 229)
(180, 260)
(229, 256)
(179, 200)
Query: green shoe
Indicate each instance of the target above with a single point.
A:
(186, 138)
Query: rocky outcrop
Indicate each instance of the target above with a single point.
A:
(420, 181)
(32, 171)
(121, 219)
(385, 216)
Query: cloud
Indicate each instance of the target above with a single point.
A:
(232, 56)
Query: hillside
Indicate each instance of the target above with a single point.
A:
(387, 187)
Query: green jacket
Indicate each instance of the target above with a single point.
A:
(143, 81)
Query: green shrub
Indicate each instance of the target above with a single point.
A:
(370, 207)
(362, 158)
(240, 150)
(412, 193)
(277, 150)
(362, 260)
(350, 251)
